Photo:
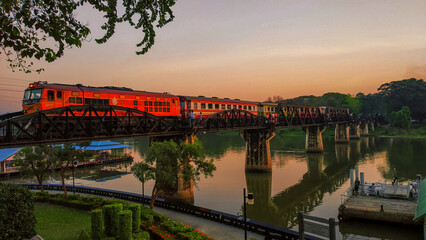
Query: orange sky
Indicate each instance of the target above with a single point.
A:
(249, 50)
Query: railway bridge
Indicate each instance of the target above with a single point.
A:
(87, 122)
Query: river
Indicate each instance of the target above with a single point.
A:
(312, 183)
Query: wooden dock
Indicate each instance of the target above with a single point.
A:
(379, 209)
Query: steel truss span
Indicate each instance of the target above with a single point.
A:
(80, 123)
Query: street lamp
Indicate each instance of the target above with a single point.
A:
(250, 200)
(75, 163)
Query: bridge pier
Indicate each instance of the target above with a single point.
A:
(315, 165)
(354, 131)
(258, 151)
(341, 134)
(364, 129)
(314, 143)
(184, 190)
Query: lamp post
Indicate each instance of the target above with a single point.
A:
(250, 200)
(73, 178)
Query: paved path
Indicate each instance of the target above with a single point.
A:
(213, 229)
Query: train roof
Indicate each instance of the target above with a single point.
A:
(107, 89)
(219, 99)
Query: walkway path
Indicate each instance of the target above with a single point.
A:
(213, 229)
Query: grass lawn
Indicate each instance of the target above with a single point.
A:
(58, 222)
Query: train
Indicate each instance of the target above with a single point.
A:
(41, 95)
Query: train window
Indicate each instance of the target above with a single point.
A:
(229, 107)
(254, 108)
(240, 107)
(203, 106)
(210, 105)
(168, 109)
(135, 102)
(173, 100)
(106, 102)
(58, 95)
(160, 104)
(155, 109)
(150, 109)
(223, 107)
(216, 106)
(235, 106)
(194, 105)
(160, 109)
(164, 109)
(146, 103)
(150, 104)
(146, 109)
(87, 101)
(71, 100)
(245, 107)
(79, 100)
(249, 108)
(50, 95)
(155, 103)
(168, 104)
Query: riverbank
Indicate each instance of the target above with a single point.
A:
(388, 131)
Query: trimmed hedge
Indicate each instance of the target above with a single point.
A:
(84, 236)
(124, 225)
(17, 220)
(110, 213)
(97, 224)
(136, 217)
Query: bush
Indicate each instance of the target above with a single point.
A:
(125, 225)
(136, 217)
(97, 224)
(16, 212)
(84, 235)
(141, 236)
(110, 213)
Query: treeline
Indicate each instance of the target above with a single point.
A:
(391, 97)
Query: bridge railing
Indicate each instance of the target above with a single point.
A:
(270, 231)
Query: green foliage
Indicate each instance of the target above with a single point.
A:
(110, 213)
(165, 160)
(43, 30)
(16, 212)
(402, 118)
(409, 92)
(84, 235)
(35, 161)
(125, 225)
(97, 224)
(136, 217)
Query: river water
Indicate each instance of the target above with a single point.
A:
(312, 183)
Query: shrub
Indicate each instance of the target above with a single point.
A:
(97, 224)
(125, 225)
(141, 236)
(16, 212)
(136, 217)
(84, 235)
(111, 218)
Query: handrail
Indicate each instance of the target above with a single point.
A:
(270, 231)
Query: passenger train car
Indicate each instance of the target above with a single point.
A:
(41, 96)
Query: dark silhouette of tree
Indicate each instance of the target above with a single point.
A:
(42, 29)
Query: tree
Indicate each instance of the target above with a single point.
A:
(35, 160)
(142, 173)
(16, 212)
(64, 156)
(353, 103)
(409, 92)
(402, 118)
(42, 29)
(166, 160)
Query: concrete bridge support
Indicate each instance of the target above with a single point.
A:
(183, 190)
(314, 142)
(341, 134)
(364, 129)
(315, 165)
(342, 152)
(258, 151)
(354, 131)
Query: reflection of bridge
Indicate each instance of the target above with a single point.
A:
(321, 178)
(86, 122)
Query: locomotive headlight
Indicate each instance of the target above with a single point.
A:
(31, 85)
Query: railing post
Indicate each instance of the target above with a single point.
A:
(301, 226)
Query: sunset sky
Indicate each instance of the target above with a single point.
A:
(249, 50)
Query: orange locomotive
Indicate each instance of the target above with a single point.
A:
(43, 96)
